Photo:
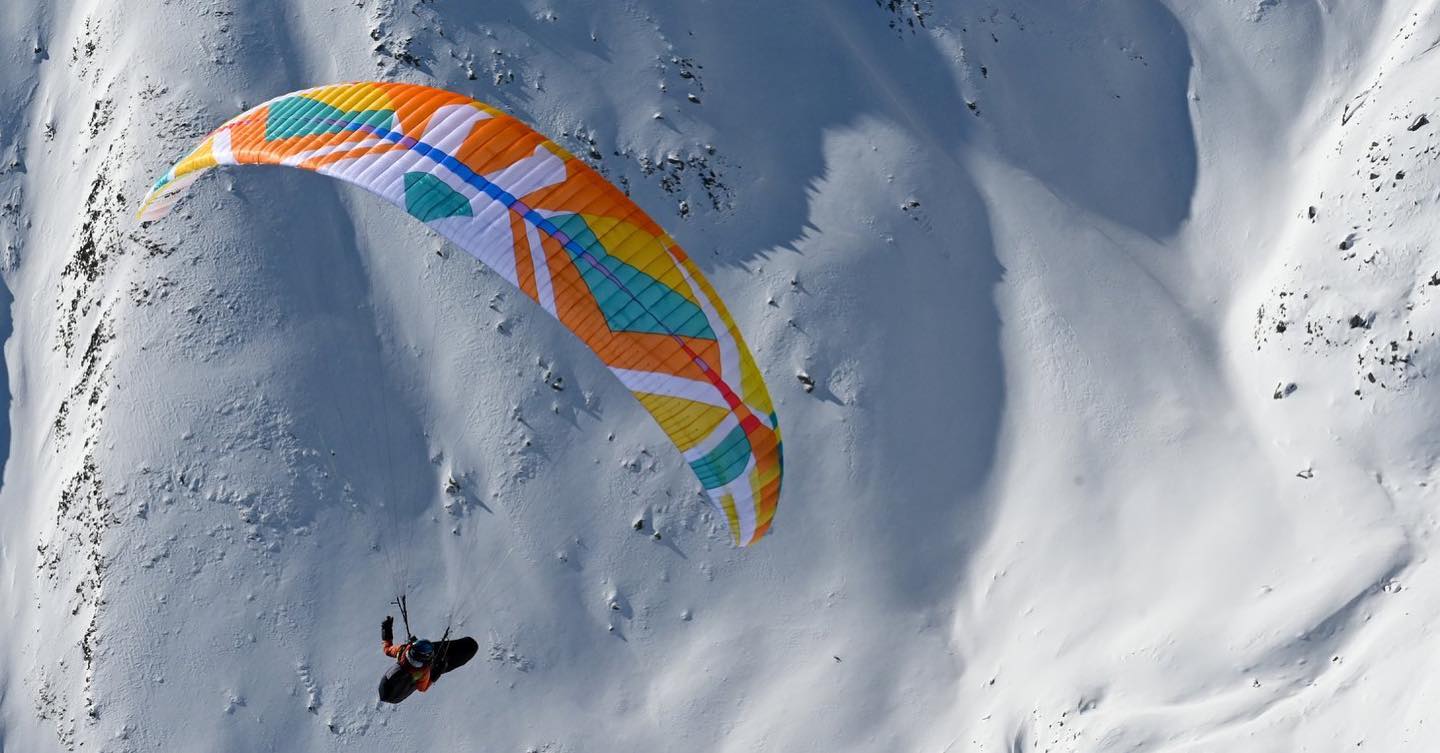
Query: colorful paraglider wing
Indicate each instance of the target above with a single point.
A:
(554, 228)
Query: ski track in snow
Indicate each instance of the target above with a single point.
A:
(1101, 339)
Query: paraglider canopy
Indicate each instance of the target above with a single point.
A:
(555, 229)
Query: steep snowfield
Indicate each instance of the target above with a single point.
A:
(1120, 318)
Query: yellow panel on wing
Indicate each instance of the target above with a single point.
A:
(631, 244)
(203, 158)
(727, 503)
(686, 422)
(752, 385)
(347, 96)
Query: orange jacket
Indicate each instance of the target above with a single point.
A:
(400, 652)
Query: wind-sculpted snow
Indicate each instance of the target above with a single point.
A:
(1102, 339)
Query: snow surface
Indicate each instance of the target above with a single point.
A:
(1119, 317)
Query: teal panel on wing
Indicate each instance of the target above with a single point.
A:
(302, 116)
(430, 198)
(725, 462)
(644, 304)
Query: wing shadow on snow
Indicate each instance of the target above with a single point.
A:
(919, 409)
(765, 105)
(1094, 101)
(921, 444)
(772, 103)
(771, 108)
(7, 327)
(917, 419)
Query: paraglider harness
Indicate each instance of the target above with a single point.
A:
(404, 676)
(442, 646)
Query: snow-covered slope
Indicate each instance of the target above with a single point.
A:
(1119, 316)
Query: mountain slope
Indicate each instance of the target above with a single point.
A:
(1053, 269)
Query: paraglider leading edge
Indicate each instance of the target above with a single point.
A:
(554, 228)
